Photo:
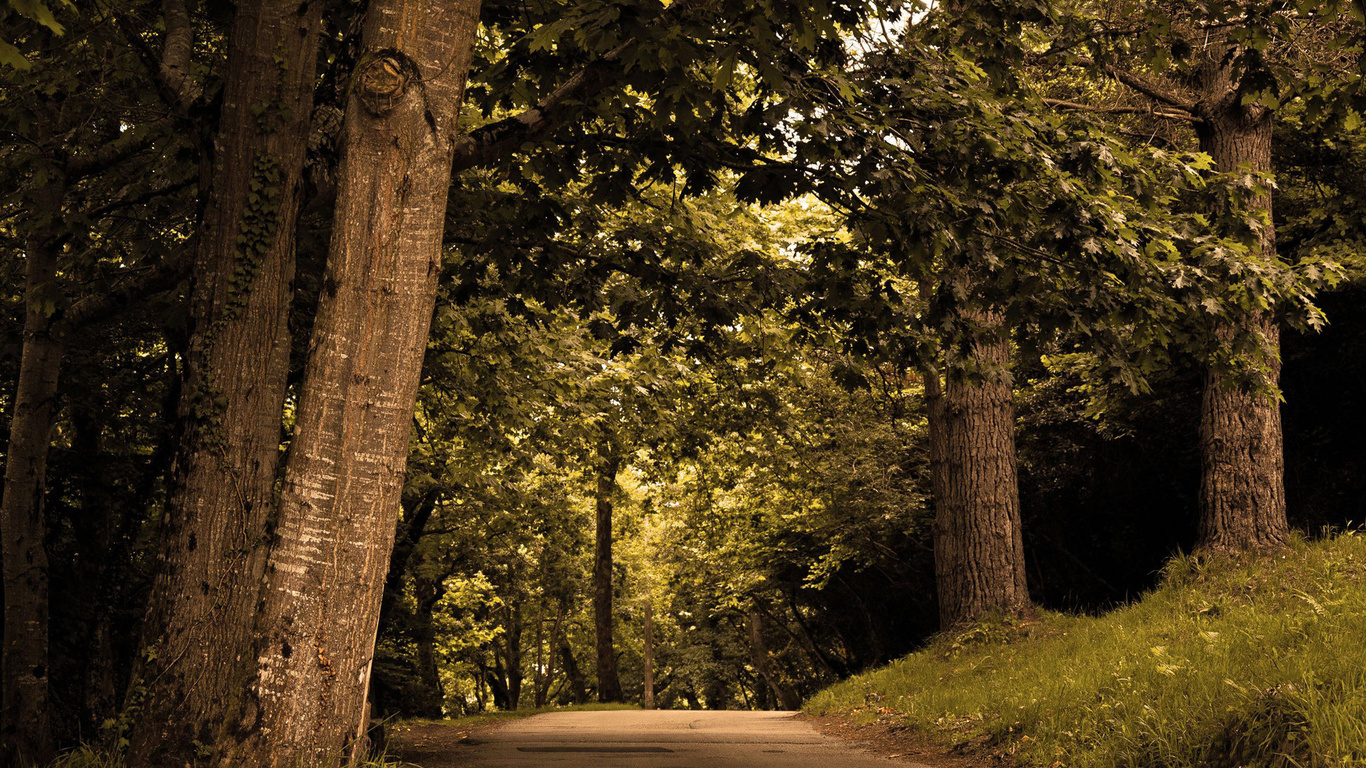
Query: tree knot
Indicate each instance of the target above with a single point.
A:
(383, 78)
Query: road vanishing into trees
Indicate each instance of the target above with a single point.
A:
(659, 739)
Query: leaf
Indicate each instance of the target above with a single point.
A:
(37, 10)
(10, 56)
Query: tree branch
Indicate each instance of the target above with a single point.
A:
(177, 51)
(152, 63)
(109, 155)
(1118, 110)
(1137, 82)
(92, 309)
(1150, 89)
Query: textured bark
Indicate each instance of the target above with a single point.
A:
(340, 497)
(609, 684)
(25, 726)
(1242, 489)
(978, 547)
(198, 629)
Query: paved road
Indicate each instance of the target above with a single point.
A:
(663, 739)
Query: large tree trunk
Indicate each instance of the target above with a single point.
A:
(978, 548)
(339, 502)
(197, 634)
(1242, 489)
(609, 684)
(25, 728)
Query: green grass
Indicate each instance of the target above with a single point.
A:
(1230, 662)
(484, 718)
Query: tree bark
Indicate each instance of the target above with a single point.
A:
(340, 497)
(1242, 489)
(25, 725)
(609, 684)
(978, 546)
(197, 633)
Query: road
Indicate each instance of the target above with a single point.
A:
(661, 739)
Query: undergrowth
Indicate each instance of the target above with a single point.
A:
(1254, 661)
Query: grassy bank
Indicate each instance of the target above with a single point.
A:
(1249, 662)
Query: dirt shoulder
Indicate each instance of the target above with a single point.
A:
(899, 742)
(435, 744)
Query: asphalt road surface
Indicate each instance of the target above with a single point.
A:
(663, 739)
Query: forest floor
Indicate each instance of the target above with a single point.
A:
(1230, 661)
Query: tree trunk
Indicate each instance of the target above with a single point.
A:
(428, 594)
(543, 689)
(978, 547)
(25, 726)
(648, 699)
(197, 634)
(514, 656)
(340, 497)
(609, 684)
(758, 650)
(538, 667)
(497, 682)
(1242, 489)
(578, 686)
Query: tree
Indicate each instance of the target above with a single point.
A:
(1227, 71)
(218, 517)
(66, 154)
(1242, 491)
(316, 627)
(608, 464)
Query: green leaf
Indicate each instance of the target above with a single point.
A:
(38, 11)
(10, 56)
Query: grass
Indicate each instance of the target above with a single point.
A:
(484, 718)
(1230, 662)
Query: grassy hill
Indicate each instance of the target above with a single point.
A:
(1230, 662)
